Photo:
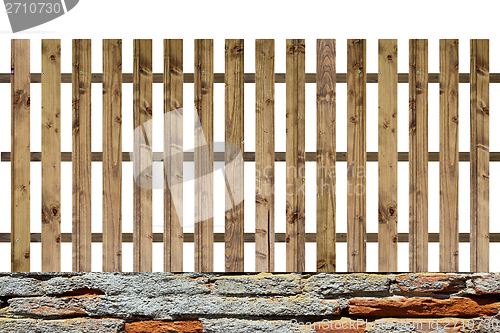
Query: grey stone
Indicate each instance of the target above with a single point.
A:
(135, 284)
(225, 325)
(261, 284)
(76, 325)
(486, 283)
(171, 307)
(324, 284)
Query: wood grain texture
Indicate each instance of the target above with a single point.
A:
(418, 156)
(341, 237)
(20, 147)
(295, 155)
(203, 159)
(249, 156)
(388, 151)
(173, 155)
(143, 162)
(234, 167)
(112, 156)
(250, 78)
(448, 154)
(264, 155)
(82, 155)
(51, 155)
(479, 155)
(356, 155)
(326, 122)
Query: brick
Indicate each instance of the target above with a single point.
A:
(260, 284)
(155, 326)
(486, 284)
(324, 284)
(431, 283)
(74, 325)
(422, 307)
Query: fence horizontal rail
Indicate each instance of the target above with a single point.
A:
(250, 157)
(250, 237)
(249, 78)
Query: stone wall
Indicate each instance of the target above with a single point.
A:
(192, 302)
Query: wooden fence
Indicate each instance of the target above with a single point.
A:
(265, 156)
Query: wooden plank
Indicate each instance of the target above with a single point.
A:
(448, 147)
(20, 147)
(250, 78)
(250, 237)
(51, 155)
(203, 162)
(356, 155)
(264, 155)
(295, 155)
(173, 155)
(418, 156)
(234, 168)
(82, 155)
(250, 156)
(388, 150)
(326, 121)
(112, 156)
(143, 162)
(479, 151)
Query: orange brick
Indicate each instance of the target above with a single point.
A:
(154, 326)
(398, 306)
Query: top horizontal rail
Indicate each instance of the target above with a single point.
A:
(249, 78)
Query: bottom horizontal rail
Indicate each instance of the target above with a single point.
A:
(250, 237)
(250, 156)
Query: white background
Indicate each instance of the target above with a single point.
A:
(250, 20)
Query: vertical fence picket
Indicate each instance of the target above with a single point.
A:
(418, 155)
(234, 150)
(326, 114)
(388, 155)
(81, 157)
(448, 155)
(295, 155)
(479, 155)
(143, 155)
(203, 160)
(356, 155)
(173, 155)
(51, 155)
(20, 162)
(264, 155)
(112, 156)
